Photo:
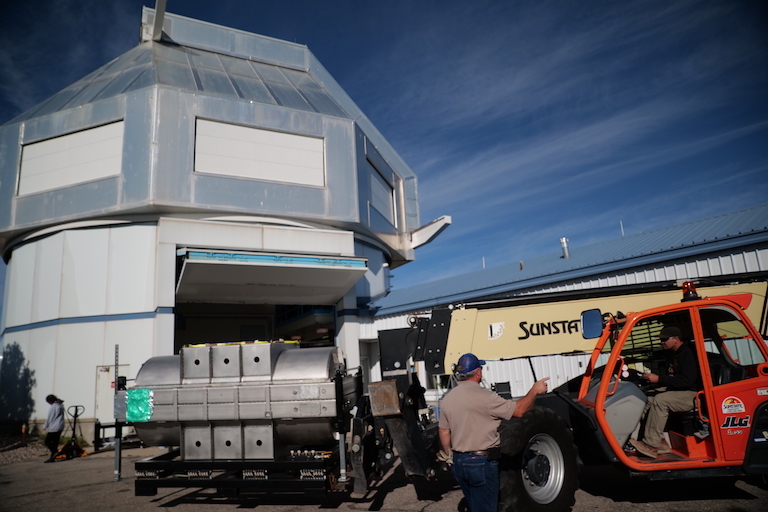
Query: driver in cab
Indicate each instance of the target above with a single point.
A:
(677, 391)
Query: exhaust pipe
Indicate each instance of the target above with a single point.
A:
(566, 251)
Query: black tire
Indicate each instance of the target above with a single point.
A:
(539, 469)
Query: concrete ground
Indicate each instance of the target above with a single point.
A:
(87, 484)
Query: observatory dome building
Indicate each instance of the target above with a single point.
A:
(209, 185)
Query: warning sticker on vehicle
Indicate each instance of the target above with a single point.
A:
(495, 330)
(762, 391)
(733, 405)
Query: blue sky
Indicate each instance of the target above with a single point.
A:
(526, 121)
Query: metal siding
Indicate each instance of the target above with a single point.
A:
(136, 338)
(207, 36)
(70, 121)
(708, 266)
(253, 88)
(518, 373)
(130, 78)
(175, 134)
(382, 197)
(215, 82)
(84, 274)
(88, 93)
(165, 274)
(249, 237)
(184, 232)
(206, 60)
(138, 148)
(40, 346)
(57, 101)
(79, 350)
(46, 287)
(382, 323)
(366, 329)
(280, 87)
(750, 260)
(10, 155)
(375, 282)
(761, 260)
(309, 241)
(260, 197)
(77, 201)
(341, 170)
(318, 99)
(131, 269)
(714, 266)
(176, 75)
(727, 264)
(20, 281)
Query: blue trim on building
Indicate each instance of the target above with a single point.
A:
(276, 259)
(88, 319)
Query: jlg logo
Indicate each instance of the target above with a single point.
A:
(735, 422)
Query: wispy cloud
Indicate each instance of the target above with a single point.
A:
(571, 106)
(49, 44)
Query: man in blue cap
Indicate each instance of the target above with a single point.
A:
(469, 419)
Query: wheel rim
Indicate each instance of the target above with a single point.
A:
(543, 468)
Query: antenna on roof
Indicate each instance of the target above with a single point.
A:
(157, 27)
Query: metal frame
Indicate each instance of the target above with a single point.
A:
(283, 476)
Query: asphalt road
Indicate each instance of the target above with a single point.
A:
(87, 484)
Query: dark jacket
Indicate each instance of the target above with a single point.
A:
(683, 372)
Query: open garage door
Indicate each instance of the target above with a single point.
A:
(261, 278)
(225, 296)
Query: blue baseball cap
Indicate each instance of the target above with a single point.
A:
(468, 362)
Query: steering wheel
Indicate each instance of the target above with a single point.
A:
(633, 376)
(636, 377)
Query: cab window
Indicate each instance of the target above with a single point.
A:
(732, 351)
(643, 352)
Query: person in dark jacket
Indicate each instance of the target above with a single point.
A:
(681, 385)
(54, 425)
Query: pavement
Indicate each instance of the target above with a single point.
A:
(88, 484)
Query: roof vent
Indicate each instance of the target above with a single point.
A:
(564, 244)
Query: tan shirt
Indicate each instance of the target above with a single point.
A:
(473, 415)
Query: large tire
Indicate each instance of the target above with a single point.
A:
(539, 465)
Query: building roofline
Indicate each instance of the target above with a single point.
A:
(712, 243)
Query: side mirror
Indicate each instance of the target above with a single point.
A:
(591, 324)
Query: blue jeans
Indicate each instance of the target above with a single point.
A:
(478, 478)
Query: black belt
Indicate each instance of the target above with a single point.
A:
(476, 452)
